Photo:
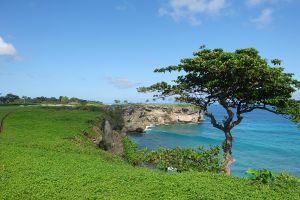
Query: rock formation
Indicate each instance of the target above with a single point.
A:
(111, 140)
(138, 117)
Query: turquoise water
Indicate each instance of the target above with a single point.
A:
(262, 140)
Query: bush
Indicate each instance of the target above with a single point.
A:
(264, 176)
(187, 159)
(284, 180)
(183, 159)
(132, 154)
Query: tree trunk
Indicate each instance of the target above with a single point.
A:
(228, 158)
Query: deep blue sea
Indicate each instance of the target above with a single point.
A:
(262, 140)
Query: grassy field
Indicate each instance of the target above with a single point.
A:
(43, 155)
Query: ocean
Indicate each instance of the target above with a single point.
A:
(263, 140)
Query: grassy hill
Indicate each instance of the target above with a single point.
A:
(43, 155)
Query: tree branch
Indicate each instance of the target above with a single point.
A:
(214, 121)
(238, 115)
(260, 108)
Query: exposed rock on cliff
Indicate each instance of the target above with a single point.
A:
(117, 121)
(112, 140)
(138, 117)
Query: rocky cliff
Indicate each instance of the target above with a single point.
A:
(138, 117)
(111, 140)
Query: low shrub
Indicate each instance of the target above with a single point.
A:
(267, 177)
(182, 159)
(262, 176)
(186, 159)
(132, 154)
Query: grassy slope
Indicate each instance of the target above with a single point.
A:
(44, 156)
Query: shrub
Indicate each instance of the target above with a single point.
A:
(187, 159)
(284, 180)
(183, 159)
(131, 152)
(264, 176)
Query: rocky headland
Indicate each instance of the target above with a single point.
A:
(138, 117)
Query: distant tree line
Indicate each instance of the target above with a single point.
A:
(15, 99)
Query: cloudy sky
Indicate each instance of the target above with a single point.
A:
(103, 50)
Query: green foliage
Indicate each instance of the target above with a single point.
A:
(187, 159)
(239, 81)
(64, 100)
(239, 78)
(43, 155)
(263, 176)
(183, 159)
(117, 101)
(9, 98)
(284, 180)
(132, 154)
(292, 109)
(279, 180)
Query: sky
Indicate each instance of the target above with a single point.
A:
(104, 49)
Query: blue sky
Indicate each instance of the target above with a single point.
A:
(104, 49)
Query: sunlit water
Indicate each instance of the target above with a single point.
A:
(262, 140)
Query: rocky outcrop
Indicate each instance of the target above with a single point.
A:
(138, 117)
(112, 140)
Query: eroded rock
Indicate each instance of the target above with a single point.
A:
(138, 117)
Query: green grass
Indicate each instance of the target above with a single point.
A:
(43, 155)
(6, 109)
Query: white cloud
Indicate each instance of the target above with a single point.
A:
(7, 49)
(122, 83)
(264, 18)
(189, 9)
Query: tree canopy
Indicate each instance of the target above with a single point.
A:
(240, 81)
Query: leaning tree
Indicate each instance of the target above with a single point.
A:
(240, 81)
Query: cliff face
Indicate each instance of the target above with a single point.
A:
(111, 140)
(137, 118)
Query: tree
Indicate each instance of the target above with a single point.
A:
(240, 81)
(9, 98)
(64, 100)
(117, 101)
(25, 99)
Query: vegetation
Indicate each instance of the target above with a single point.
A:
(44, 155)
(179, 159)
(64, 100)
(267, 177)
(292, 109)
(240, 81)
(24, 100)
